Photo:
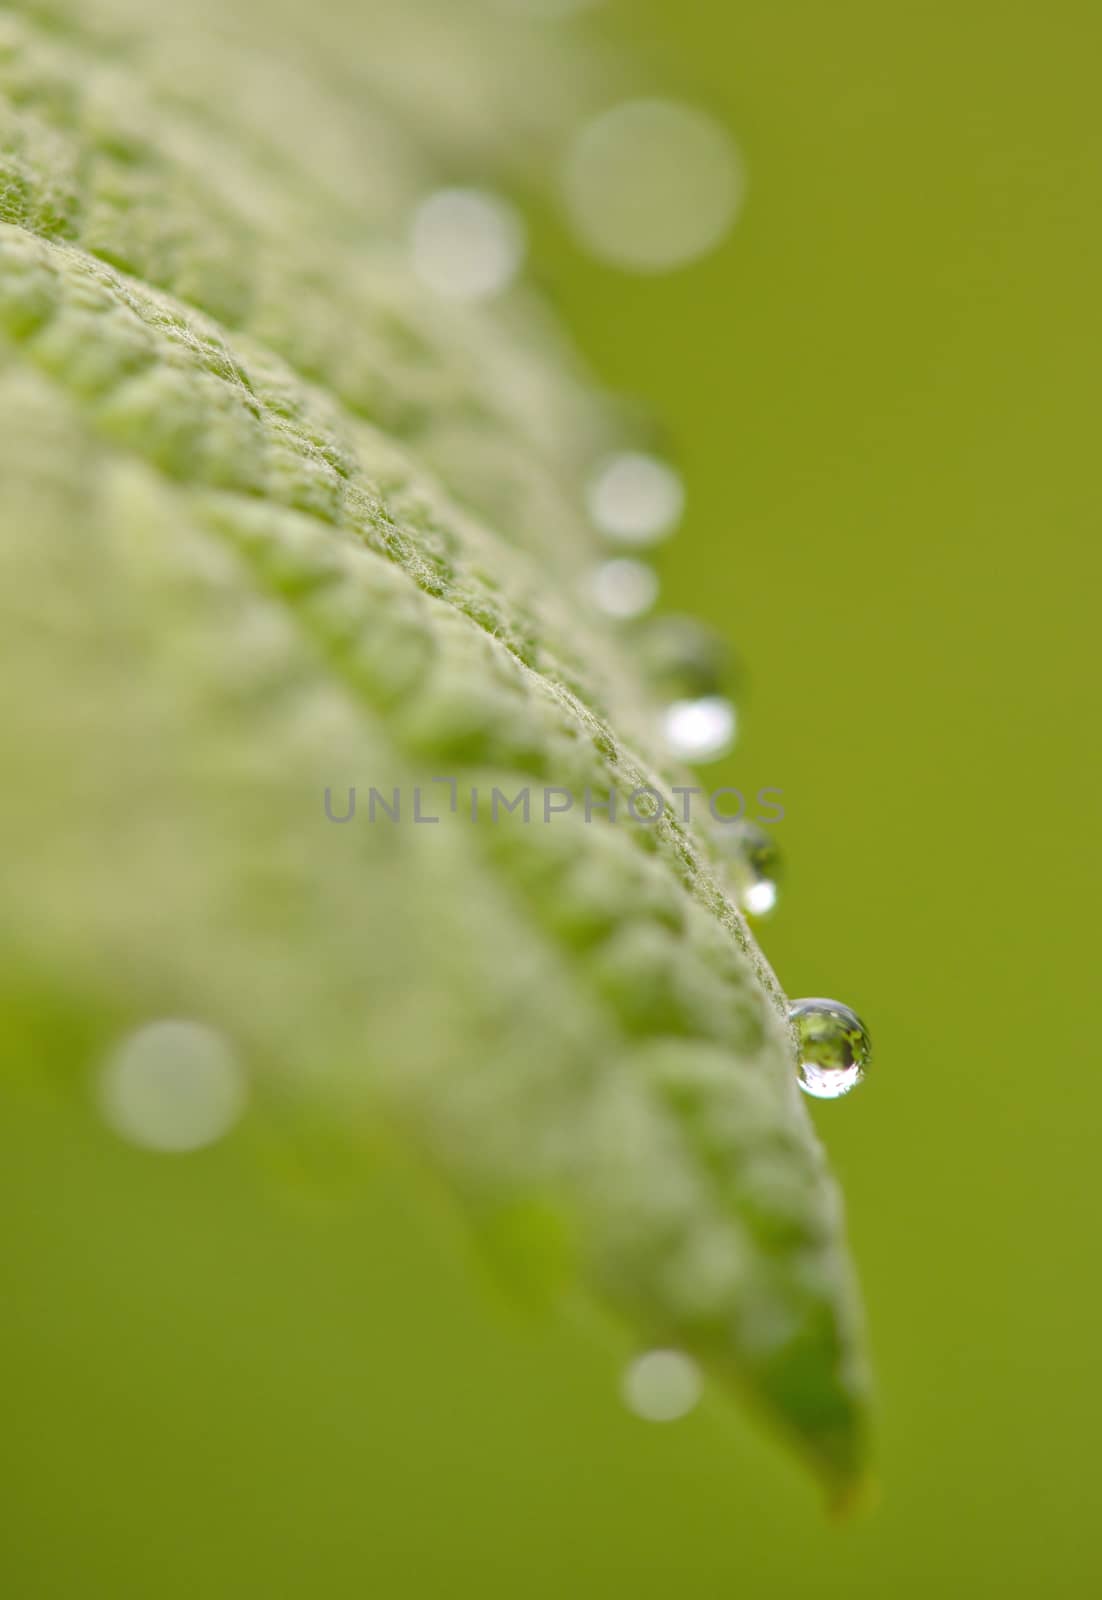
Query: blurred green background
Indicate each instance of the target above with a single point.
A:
(228, 1377)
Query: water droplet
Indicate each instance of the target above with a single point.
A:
(172, 1086)
(661, 1386)
(635, 498)
(651, 185)
(699, 730)
(683, 659)
(755, 862)
(623, 588)
(467, 244)
(834, 1047)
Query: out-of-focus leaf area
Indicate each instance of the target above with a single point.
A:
(411, 1193)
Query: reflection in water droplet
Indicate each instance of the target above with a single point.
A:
(172, 1086)
(758, 899)
(635, 498)
(699, 730)
(652, 185)
(755, 865)
(834, 1047)
(467, 244)
(623, 588)
(661, 1385)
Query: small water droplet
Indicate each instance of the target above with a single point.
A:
(661, 1385)
(834, 1047)
(172, 1085)
(635, 498)
(755, 862)
(467, 244)
(623, 588)
(699, 730)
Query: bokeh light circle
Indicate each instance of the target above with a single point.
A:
(467, 244)
(661, 1385)
(652, 185)
(173, 1085)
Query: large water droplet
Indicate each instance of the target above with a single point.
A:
(755, 864)
(661, 1385)
(635, 498)
(684, 659)
(834, 1047)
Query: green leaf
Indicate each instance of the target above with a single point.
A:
(274, 522)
